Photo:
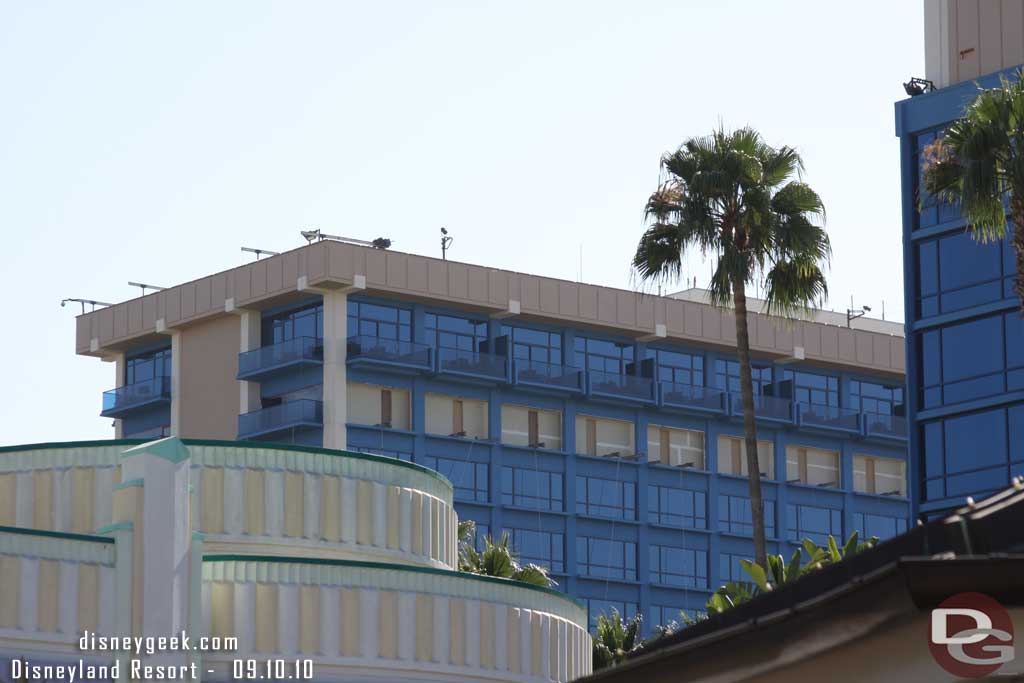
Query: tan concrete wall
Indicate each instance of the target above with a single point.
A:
(477, 288)
(209, 390)
(965, 39)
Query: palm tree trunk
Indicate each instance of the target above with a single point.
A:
(1017, 215)
(749, 425)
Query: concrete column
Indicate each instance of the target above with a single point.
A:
(335, 371)
(176, 397)
(250, 338)
(119, 369)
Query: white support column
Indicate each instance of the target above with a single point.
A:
(250, 338)
(176, 397)
(335, 370)
(118, 360)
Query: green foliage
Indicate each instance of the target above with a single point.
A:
(497, 559)
(615, 639)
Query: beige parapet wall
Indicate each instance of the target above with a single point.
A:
(346, 558)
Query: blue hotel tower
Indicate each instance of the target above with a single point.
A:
(601, 428)
(965, 334)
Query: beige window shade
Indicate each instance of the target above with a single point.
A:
(732, 456)
(604, 436)
(534, 427)
(676, 447)
(455, 416)
(370, 404)
(872, 474)
(814, 466)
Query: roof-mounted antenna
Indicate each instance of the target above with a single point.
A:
(317, 236)
(94, 304)
(260, 252)
(446, 243)
(144, 287)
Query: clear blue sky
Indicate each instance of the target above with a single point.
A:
(149, 141)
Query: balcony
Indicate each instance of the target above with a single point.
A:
(547, 376)
(623, 388)
(768, 408)
(131, 397)
(302, 413)
(390, 354)
(268, 361)
(830, 418)
(472, 365)
(885, 426)
(688, 397)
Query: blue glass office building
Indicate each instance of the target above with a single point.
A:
(965, 335)
(614, 462)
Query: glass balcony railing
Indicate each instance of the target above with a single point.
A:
(543, 375)
(697, 398)
(765, 407)
(389, 352)
(300, 413)
(123, 400)
(626, 387)
(275, 358)
(475, 364)
(891, 426)
(830, 417)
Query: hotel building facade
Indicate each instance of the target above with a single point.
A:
(601, 428)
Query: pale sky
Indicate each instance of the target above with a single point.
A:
(149, 141)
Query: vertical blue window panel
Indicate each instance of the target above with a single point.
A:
(603, 558)
(1015, 415)
(376, 320)
(727, 376)
(602, 355)
(307, 321)
(534, 489)
(452, 332)
(544, 548)
(956, 272)
(674, 507)
(605, 498)
(730, 569)
(975, 441)
(735, 516)
(470, 479)
(970, 360)
(812, 389)
(882, 526)
(147, 366)
(534, 345)
(678, 567)
(678, 368)
(815, 523)
(597, 607)
(1013, 326)
(876, 399)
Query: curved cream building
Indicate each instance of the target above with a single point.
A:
(343, 559)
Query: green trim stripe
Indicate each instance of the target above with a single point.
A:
(387, 576)
(53, 545)
(116, 526)
(128, 484)
(55, 534)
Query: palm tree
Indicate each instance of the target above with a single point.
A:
(979, 163)
(615, 639)
(732, 196)
(497, 559)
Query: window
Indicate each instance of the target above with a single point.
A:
(975, 359)
(451, 332)
(601, 355)
(149, 432)
(597, 607)
(730, 569)
(604, 436)
(307, 321)
(470, 479)
(534, 345)
(956, 272)
(386, 452)
(370, 404)
(603, 558)
(679, 567)
(813, 466)
(884, 476)
(382, 322)
(676, 507)
(732, 456)
(735, 516)
(482, 531)
(678, 368)
(534, 489)
(664, 615)
(727, 376)
(146, 366)
(815, 523)
(876, 399)
(605, 498)
(544, 548)
(533, 427)
(878, 525)
(676, 447)
(451, 416)
(812, 389)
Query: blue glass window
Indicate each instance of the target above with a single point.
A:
(730, 569)
(387, 453)
(876, 399)
(596, 607)
(535, 345)
(604, 558)
(815, 523)
(676, 507)
(679, 368)
(149, 365)
(811, 389)
(534, 489)
(956, 272)
(601, 355)
(605, 498)
(735, 516)
(727, 376)
(307, 321)
(451, 332)
(679, 567)
(376, 320)
(544, 548)
(878, 525)
(970, 454)
(469, 478)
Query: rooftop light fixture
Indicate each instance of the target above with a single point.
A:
(918, 86)
(852, 314)
(260, 252)
(316, 236)
(94, 304)
(144, 287)
(446, 243)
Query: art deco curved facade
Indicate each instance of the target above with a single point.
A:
(346, 559)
